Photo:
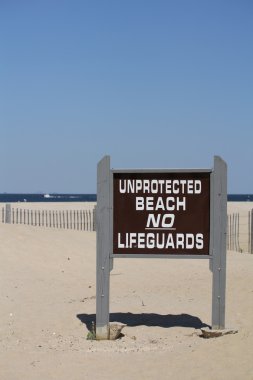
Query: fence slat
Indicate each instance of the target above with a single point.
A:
(90, 220)
(8, 213)
(94, 219)
(81, 220)
(251, 234)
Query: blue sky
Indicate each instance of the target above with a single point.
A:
(151, 83)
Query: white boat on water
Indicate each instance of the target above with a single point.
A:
(47, 196)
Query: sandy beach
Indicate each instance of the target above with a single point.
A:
(47, 304)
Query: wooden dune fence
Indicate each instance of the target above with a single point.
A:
(239, 226)
(83, 220)
(240, 232)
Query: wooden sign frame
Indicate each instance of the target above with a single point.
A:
(217, 239)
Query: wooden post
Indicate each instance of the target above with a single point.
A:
(103, 249)
(219, 202)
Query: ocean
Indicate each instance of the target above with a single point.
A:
(12, 198)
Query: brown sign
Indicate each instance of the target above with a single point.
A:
(161, 213)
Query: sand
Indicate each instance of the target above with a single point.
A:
(47, 299)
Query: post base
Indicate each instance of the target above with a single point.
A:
(102, 332)
(208, 333)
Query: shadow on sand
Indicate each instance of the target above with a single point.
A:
(148, 319)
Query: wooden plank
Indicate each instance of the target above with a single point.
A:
(219, 243)
(81, 220)
(249, 230)
(8, 213)
(94, 218)
(103, 249)
(251, 234)
(89, 213)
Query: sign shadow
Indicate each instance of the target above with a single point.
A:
(148, 319)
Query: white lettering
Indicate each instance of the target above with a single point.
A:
(199, 241)
(122, 189)
(160, 240)
(180, 241)
(189, 241)
(171, 217)
(153, 221)
(138, 185)
(150, 241)
(150, 203)
(141, 240)
(181, 203)
(139, 203)
(190, 186)
(197, 186)
(120, 245)
(161, 186)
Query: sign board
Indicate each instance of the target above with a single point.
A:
(161, 213)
